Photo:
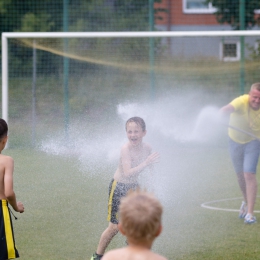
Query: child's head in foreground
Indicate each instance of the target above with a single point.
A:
(140, 216)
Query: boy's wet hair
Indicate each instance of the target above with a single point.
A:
(140, 215)
(137, 120)
(3, 128)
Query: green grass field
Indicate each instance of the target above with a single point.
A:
(65, 205)
(65, 193)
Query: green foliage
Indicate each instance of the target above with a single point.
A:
(3, 4)
(28, 16)
(14, 14)
(99, 15)
(117, 15)
(36, 23)
(87, 16)
(139, 9)
(228, 12)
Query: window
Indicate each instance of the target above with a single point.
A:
(197, 7)
(230, 51)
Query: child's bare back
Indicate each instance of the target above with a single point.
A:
(6, 166)
(6, 182)
(132, 254)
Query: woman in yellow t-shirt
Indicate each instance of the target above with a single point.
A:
(244, 146)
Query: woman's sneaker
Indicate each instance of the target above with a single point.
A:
(242, 210)
(250, 219)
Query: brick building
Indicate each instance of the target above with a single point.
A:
(195, 15)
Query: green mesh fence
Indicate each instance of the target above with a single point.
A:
(57, 82)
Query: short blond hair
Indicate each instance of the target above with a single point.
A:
(255, 86)
(140, 215)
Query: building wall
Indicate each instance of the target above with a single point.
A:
(195, 47)
(176, 16)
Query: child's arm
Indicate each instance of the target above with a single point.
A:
(126, 162)
(8, 185)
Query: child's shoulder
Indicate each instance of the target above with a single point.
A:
(125, 146)
(146, 145)
(115, 254)
(6, 158)
(147, 148)
(160, 257)
(155, 256)
(123, 253)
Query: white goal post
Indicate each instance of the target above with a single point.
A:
(35, 35)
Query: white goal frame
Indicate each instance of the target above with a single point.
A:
(35, 35)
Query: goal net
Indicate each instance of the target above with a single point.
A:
(67, 82)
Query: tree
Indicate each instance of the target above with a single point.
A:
(228, 12)
(84, 15)
(112, 15)
(30, 15)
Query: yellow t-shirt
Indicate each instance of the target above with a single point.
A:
(244, 118)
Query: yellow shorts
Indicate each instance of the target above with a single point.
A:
(117, 190)
(7, 243)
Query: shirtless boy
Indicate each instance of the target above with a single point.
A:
(7, 196)
(140, 221)
(135, 156)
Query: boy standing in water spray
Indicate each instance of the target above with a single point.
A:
(140, 221)
(135, 156)
(244, 149)
(7, 196)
